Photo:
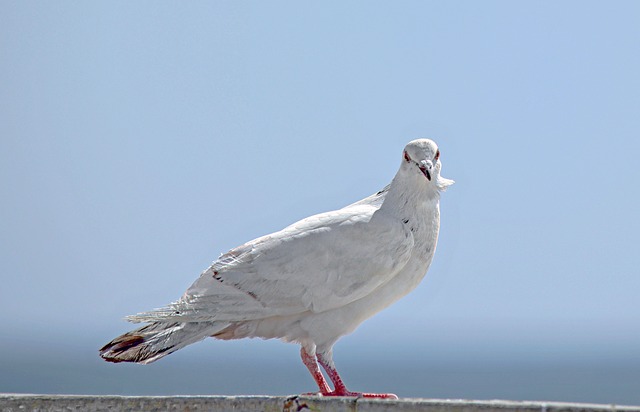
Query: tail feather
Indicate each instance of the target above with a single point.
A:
(156, 340)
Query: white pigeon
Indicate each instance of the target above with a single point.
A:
(312, 282)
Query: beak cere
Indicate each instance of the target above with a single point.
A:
(425, 172)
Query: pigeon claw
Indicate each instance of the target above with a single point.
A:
(350, 394)
(364, 395)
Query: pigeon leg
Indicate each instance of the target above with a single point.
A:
(311, 364)
(326, 361)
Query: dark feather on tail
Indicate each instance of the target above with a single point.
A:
(118, 346)
(156, 340)
(143, 345)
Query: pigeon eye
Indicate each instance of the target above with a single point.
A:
(406, 156)
(435, 159)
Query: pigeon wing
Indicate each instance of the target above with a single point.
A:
(317, 264)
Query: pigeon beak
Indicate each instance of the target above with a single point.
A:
(425, 167)
(425, 172)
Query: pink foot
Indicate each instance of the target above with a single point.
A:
(345, 392)
(353, 394)
(340, 388)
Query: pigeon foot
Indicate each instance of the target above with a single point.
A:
(347, 393)
(362, 394)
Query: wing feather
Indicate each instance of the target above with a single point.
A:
(317, 264)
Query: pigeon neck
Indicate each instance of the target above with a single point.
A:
(408, 193)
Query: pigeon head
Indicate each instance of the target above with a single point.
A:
(422, 157)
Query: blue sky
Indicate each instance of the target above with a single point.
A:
(138, 141)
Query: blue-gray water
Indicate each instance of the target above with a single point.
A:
(254, 367)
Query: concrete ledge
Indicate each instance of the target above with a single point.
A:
(24, 402)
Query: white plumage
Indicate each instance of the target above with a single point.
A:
(312, 282)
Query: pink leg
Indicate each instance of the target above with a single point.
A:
(341, 390)
(311, 364)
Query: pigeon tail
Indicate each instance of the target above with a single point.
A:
(156, 340)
